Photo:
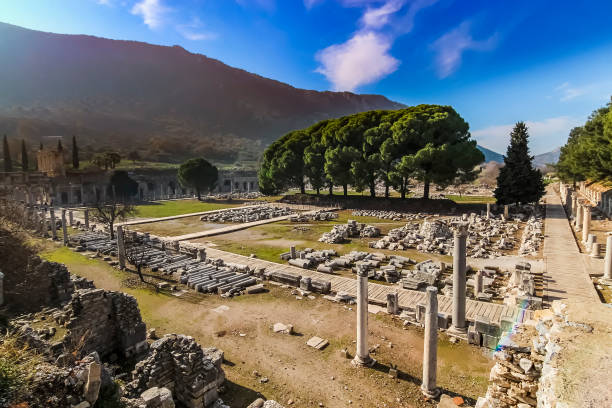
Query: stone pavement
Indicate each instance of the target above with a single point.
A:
(566, 272)
(377, 293)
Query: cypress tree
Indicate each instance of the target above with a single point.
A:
(24, 156)
(59, 145)
(8, 165)
(75, 153)
(518, 180)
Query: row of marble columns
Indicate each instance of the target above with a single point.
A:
(580, 211)
(430, 346)
(38, 216)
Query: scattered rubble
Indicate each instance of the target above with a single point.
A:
(247, 214)
(342, 232)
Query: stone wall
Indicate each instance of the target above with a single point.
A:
(39, 283)
(561, 359)
(103, 321)
(178, 363)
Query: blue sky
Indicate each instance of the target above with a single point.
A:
(497, 62)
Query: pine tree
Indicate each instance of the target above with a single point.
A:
(8, 165)
(518, 181)
(75, 153)
(24, 156)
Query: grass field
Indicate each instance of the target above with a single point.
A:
(179, 207)
(471, 199)
(270, 240)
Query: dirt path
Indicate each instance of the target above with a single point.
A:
(241, 327)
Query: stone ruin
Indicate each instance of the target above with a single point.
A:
(486, 236)
(94, 320)
(425, 273)
(342, 232)
(39, 283)
(388, 215)
(319, 215)
(247, 214)
(532, 236)
(521, 287)
(179, 364)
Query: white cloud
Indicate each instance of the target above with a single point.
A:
(193, 31)
(361, 60)
(379, 17)
(566, 91)
(544, 135)
(365, 57)
(104, 2)
(151, 11)
(451, 46)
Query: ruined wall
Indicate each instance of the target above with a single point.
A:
(562, 358)
(103, 321)
(38, 283)
(179, 364)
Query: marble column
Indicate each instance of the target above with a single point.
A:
(86, 216)
(459, 327)
(430, 344)
(574, 202)
(201, 254)
(120, 247)
(362, 356)
(43, 224)
(71, 217)
(35, 219)
(53, 224)
(506, 212)
(64, 227)
(586, 223)
(393, 303)
(578, 220)
(488, 210)
(478, 284)
(595, 250)
(607, 276)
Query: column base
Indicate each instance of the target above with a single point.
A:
(363, 362)
(459, 332)
(431, 394)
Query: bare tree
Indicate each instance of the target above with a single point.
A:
(109, 212)
(135, 253)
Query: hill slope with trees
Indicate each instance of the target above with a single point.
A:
(175, 103)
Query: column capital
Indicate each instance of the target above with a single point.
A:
(460, 229)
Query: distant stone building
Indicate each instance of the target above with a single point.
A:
(54, 184)
(51, 162)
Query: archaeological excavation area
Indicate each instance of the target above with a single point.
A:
(279, 304)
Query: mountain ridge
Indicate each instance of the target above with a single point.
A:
(110, 92)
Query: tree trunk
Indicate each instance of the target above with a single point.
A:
(331, 189)
(386, 189)
(403, 189)
(372, 189)
(303, 188)
(198, 192)
(139, 270)
(318, 190)
(345, 188)
(112, 230)
(426, 190)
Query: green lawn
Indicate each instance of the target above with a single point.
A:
(178, 207)
(471, 199)
(126, 164)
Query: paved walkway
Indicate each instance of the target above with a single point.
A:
(565, 275)
(377, 293)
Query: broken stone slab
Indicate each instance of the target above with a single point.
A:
(255, 289)
(282, 328)
(317, 343)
